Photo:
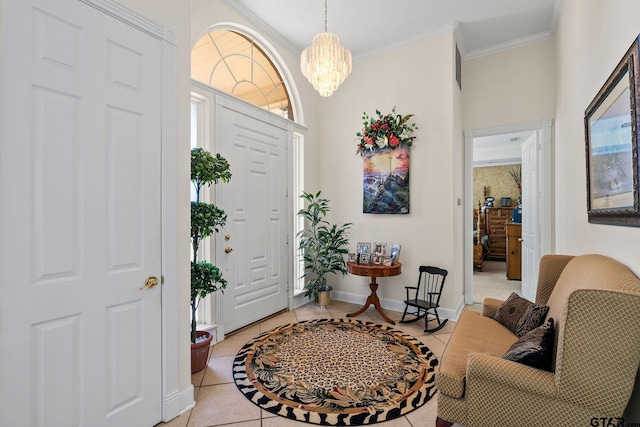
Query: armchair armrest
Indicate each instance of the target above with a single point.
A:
(490, 307)
(483, 367)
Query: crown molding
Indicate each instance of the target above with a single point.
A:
(555, 16)
(448, 28)
(508, 45)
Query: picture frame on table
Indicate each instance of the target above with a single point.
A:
(364, 259)
(379, 249)
(351, 257)
(376, 259)
(611, 144)
(386, 261)
(395, 254)
(363, 248)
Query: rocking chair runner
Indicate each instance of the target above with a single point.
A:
(426, 297)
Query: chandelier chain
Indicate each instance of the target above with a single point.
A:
(325, 16)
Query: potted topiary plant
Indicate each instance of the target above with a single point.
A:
(323, 246)
(206, 219)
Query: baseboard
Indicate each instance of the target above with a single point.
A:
(177, 403)
(395, 305)
(216, 330)
(299, 300)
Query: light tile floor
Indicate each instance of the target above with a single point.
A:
(219, 403)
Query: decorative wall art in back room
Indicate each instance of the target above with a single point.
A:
(384, 144)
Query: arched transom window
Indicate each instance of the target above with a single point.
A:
(235, 64)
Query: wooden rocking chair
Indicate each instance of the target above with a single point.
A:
(426, 297)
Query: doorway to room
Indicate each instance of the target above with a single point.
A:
(532, 143)
(497, 163)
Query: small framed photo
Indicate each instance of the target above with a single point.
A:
(386, 261)
(376, 259)
(379, 249)
(351, 257)
(395, 254)
(363, 248)
(364, 258)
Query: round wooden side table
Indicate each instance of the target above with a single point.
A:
(373, 271)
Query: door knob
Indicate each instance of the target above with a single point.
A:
(228, 250)
(149, 283)
(520, 239)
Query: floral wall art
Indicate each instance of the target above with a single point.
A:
(384, 146)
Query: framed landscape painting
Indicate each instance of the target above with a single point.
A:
(386, 181)
(611, 136)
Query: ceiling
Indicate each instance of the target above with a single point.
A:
(502, 149)
(369, 27)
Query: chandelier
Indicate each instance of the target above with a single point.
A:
(325, 63)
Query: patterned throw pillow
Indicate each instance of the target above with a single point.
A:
(510, 312)
(534, 348)
(532, 317)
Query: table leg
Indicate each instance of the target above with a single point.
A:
(372, 299)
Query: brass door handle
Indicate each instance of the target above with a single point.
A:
(228, 250)
(149, 283)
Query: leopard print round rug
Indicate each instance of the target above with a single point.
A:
(336, 372)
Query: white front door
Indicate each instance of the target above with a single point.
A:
(254, 252)
(530, 217)
(80, 135)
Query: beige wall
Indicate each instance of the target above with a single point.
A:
(509, 87)
(417, 79)
(592, 37)
(499, 184)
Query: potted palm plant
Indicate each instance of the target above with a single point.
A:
(206, 219)
(323, 247)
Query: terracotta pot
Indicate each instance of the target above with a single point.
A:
(200, 352)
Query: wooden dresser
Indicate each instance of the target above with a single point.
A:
(514, 251)
(494, 220)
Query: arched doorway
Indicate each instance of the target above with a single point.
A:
(230, 62)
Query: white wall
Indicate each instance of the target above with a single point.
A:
(420, 80)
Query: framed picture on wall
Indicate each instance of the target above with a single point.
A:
(611, 137)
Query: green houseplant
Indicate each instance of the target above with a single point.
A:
(206, 219)
(323, 245)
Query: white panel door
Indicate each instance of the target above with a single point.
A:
(255, 201)
(80, 122)
(530, 218)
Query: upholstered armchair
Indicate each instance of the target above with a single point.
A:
(595, 303)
